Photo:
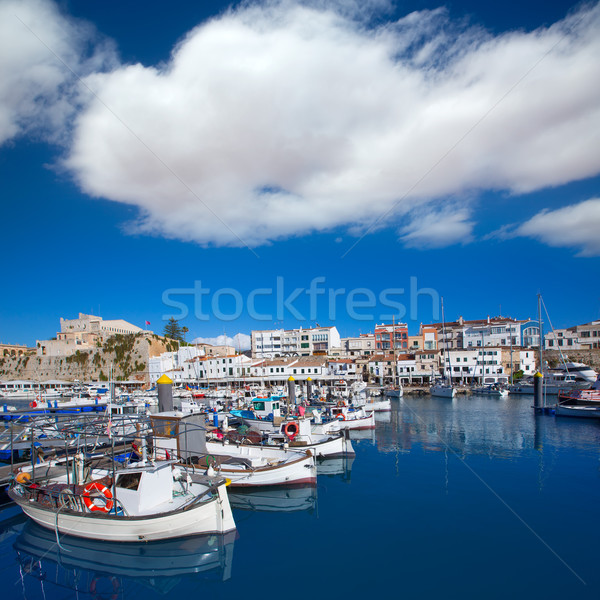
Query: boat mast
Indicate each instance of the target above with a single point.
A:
(541, 342)
(446, 346)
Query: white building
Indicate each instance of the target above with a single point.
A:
(190, 365)
(483, 365)
(272, 343)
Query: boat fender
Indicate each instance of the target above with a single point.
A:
(115, 589)
(23, 478)
(102, 489)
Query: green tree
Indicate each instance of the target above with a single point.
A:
(173, 330)
(184, 330)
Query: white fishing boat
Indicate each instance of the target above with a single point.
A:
(495, 391)
(353, 418)
(442, 390)
(581, 411)
(379, 404)
(183, 436)
(261, 414)
(121, 502)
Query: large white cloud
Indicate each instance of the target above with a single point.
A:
(278, 119)
(42, 53)
(574, 226)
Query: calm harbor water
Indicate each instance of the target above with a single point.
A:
(470, 498)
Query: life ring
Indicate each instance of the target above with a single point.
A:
(102, 489)
(340, 404)
(341, 416)
(291, 429)
(115, 588)
(33, 404)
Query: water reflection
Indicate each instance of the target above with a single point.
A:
(336, 467)
(274, 499)
(479, 425)
(103, 569)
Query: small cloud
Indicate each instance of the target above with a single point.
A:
(240, 341)
(339, 240)
(438, 228)
(574, 226)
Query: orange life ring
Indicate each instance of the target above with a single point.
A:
(115, 587)
(32, 404)
(341, 416)
(291, 429)
(102, 489)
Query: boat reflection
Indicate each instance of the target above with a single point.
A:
(274, 498)
(471, 425)
(362, 434)
(103, 568)
(334, 467)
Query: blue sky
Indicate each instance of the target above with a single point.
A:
(369, 149)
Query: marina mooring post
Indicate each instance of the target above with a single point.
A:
(291, 391)
(165, 393)
(308, 390)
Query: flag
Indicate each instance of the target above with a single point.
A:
(147, 322)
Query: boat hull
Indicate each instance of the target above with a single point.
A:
(582, 412)
(213, 516)
(443, 391)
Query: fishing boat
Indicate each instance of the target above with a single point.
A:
(184, 436)
(102, 499)
(581, 411)
(493, 390)
(579, 403)
(349, 417)
(442, 390)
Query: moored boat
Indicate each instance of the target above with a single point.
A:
(122, 502)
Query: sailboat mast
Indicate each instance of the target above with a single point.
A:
(446, 345)
(541, 342)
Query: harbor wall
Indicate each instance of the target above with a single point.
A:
(590, 357)
(128, 354)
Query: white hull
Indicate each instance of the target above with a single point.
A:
(490, 392)
(211, 517)
(367, 422)
(336, 446)
(294, 467)
(442, 391)
(586, 412)
(394, 393)
(379, 405)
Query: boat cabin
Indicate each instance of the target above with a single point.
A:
(266, 408)
(140, 490)
(178, 435)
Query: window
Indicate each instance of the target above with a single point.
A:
(129, 481)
